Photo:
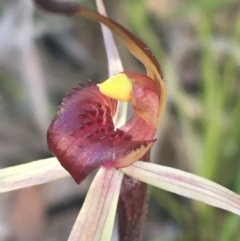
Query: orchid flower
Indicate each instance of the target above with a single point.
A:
(84, 137)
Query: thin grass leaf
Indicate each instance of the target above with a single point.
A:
(96, 218)
(185, 184)
(33, 173)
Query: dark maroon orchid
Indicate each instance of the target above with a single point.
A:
(83, 136)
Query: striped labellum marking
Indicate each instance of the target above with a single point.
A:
(82, 135)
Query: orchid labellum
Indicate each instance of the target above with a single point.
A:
(83, 137)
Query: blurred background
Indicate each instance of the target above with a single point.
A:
(42, 56)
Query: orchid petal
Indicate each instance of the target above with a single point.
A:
(185, 184)
(114, 61)
(96, 218)
(59, 7)
(114, 65)
(33, 173)
(144, 98)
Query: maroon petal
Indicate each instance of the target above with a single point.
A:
(144, 97)
(82, 135)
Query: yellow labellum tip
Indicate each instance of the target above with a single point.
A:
(118, 87)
